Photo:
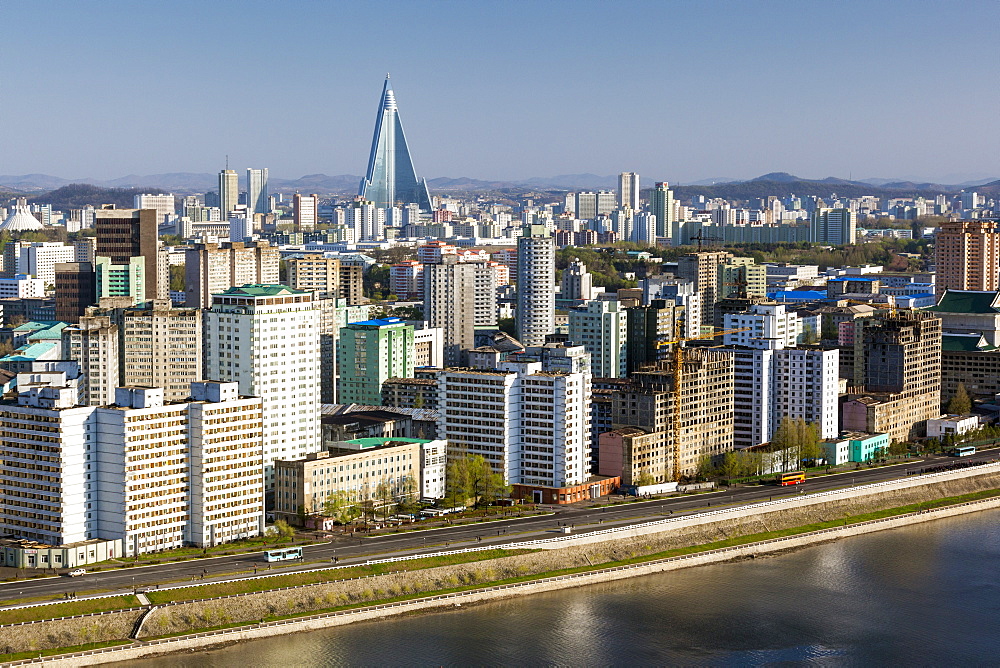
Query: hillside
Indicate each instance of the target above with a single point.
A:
(79, 195)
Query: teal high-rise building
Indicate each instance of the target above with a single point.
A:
(391, 179)
(369, 353)
(121, 280)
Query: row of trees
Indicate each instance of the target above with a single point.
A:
(389, 498)
(472, 481)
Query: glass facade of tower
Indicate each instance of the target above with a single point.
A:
(391, 179)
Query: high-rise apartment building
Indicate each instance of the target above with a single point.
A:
(126, 233)
(895, 362)
(329, 276)
(705, 424)
(162, 204)
(161, 346)
(536, 291)
(601, 327)
(406, 279)
(577, 282)
(266, 338)
(305, 212)
(257, 201)
(505, 415)
(390, 178)
(833, 226)
(93, 344)
(38, 259)
(211, 268)
(702, 269)
(368, 354)
(650, 329)
(459, 297)
(661, 205)
(967, 255)
(229, 191)
(334, 314)
(125, 282)
(628, 190)
(75, 289)
(589, 205)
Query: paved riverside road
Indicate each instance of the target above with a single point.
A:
(356, 550)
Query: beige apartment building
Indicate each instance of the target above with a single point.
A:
(212, 268)
(162, 347)
(328, 276)
(967, 256)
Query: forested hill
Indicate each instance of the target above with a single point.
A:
(79, 195)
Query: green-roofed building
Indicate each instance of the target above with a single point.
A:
(266, 338)
(970, 312)
(369, 353)
(969, 359)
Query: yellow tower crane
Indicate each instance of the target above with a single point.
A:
(678, 373)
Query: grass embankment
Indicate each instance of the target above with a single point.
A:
(694, 549)
(67, 609)
(4, 658)
(318, 577)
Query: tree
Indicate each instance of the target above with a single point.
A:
(809, 336)
(960, 404)
(283, 530)
(472, 480)
(809, 443)
(645, 478)
(177, 277)
(386, 497)
(731, 465)
(339, 506)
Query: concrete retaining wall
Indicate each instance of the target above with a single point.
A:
(494, 593)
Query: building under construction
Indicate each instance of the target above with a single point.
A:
(895, 365)
(700, 420)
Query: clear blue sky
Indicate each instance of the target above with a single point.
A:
(676, 90)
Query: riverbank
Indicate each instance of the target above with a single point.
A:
(718, 536)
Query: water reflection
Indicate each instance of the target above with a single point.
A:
(923, 595)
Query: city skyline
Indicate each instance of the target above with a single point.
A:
(737, 110)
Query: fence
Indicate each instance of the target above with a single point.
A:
(514, 545)
(473, 592)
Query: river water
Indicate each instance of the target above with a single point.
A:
(925, 595)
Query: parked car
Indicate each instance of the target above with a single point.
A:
(77, 571)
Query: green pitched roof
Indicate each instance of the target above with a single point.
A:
(964, 343)
(966, 301)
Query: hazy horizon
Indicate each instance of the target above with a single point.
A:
(675, 91)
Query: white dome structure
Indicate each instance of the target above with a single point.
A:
(20, 221)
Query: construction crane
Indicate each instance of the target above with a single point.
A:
(678, 373)
(701, 237)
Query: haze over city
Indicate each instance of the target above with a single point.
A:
(678, 91)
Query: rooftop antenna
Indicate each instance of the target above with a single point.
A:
(227, 161)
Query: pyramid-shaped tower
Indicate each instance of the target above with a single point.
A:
(391, 179)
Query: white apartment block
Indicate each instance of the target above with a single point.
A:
(39, 259)
(141, 462)
(154, 475)
(536, 286)
(529, 424)
(773, 380)
(266, 338)
(45, 458)
(602, 328)
(428, 347)
(764, 322)
(93, 344)
(226, 464)
(433, 469)
(22, 286)
(163, 204)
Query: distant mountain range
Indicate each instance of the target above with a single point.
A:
(774, 183)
